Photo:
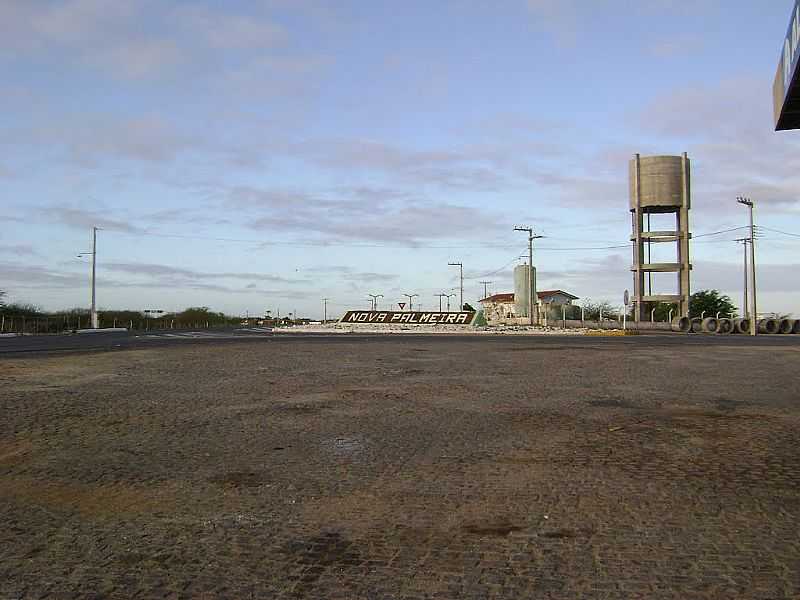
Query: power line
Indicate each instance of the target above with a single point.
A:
(408, 245)
(496, 271)
(797, 235)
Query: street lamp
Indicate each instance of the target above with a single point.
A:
(448, 300)
(754, 317)
(375, 300)
(93, 253)
(410, 296)
(461, 271)
(440, 296)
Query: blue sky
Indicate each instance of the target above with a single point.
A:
(266, 154)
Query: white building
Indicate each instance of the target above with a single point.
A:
(499, 308)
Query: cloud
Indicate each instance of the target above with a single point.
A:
(18, 249)
(728, 130)
(28, 276)
(676, 45)
(346, 214)
(120, 38)
(15, 275)
(139, 58)
(223, 30)
(78, 218)
(170, 273)
(346, 273)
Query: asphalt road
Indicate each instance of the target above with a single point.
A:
(45, 344)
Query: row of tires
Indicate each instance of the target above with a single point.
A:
(725, 326)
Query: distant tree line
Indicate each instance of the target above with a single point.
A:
(30, 318)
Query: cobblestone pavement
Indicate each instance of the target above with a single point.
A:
(416, 468)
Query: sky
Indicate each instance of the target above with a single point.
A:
(266, 154)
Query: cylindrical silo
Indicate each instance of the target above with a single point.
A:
(522, 289)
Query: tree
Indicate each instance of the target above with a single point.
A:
(21, 310)
(592, 311)
(710, 302)
(663, 309)
(467, 307)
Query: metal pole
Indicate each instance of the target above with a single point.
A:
(375, 300)
(745, 309)
(94, 269)
(485, 288)
(325, 310)
(754, 316)
(410, 305)
(753, 324)
(461, 267)
(746, 304)
(531, 276)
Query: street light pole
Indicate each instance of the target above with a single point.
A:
(461, 269)
(375, 300)
(325, 310)
(410, 296)
(754, 318)
(94, 271)
(93, 323)
(440, 300)
(448, 300)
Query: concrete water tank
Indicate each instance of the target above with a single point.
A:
(522, 289)
(661, 183)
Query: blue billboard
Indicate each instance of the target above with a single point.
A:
(786, 95)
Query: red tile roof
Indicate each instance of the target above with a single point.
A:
(502, 298)
(499, 298)
(545, 293)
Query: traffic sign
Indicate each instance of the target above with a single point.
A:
(626, 298)
(402, 305)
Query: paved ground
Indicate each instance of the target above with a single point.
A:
(115, 340)
(663, 467)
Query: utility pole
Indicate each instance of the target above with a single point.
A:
(410, 296)
(94, 271)
(440, 300)
(754, 317)
(745, 310)
(325, 310)
(93, 324)
(461, 268)
(531, 276)
(485, 288)
(375, 300)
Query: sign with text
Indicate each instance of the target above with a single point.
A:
(379, 317)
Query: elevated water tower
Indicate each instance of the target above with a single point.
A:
(659, 185)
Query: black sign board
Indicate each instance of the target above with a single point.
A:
(379, 317)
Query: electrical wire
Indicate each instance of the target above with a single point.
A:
(410, 245)
(797, 235)
(496, 271)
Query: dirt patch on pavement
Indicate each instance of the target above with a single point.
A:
(58, 372)
(89, 500)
